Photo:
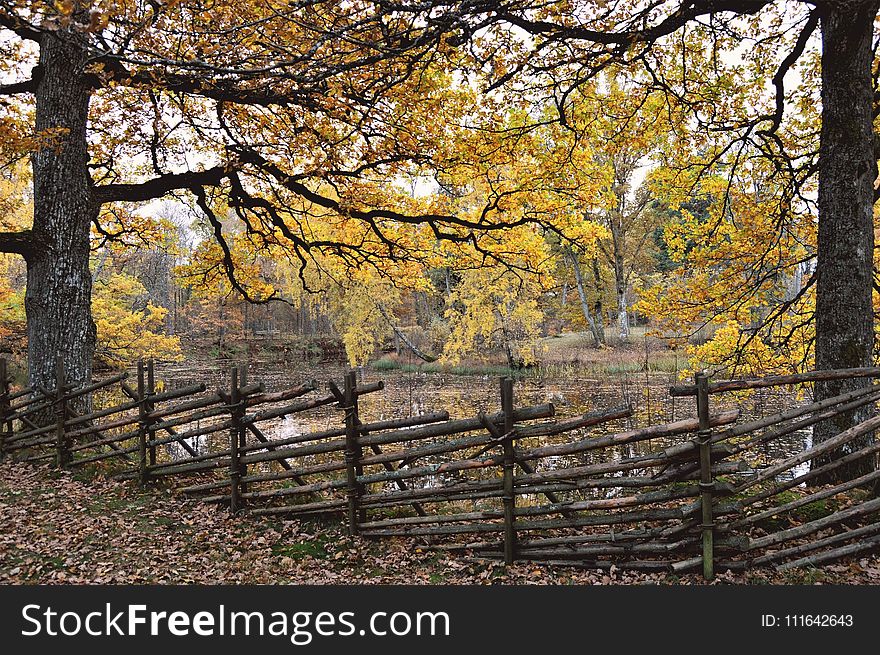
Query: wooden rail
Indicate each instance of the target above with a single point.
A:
(582, 490)
(778, 380)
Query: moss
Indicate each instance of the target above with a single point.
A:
(808, 575)
(317, 549)
(785, 497)
(815, 510)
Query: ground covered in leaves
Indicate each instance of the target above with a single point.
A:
(57, 527)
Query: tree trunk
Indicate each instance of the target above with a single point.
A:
(620, 282)
(795, 283)
(598, 307)
(844, 316)
(399, 334)
(622, 312)
(598, 335)
(512, 362)
(221, 328)
(59, 285)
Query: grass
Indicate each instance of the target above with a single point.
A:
(387, 364)
(564, 354)
(639, 354)
(301, 550)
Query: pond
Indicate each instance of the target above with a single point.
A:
(463, 396)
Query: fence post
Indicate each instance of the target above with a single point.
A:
(62, 452)
(707, 484)
(234, 455)
(5, 424)
(353, 454)
(242, 431)
(151, 390)
(509, 498)
(143, 472)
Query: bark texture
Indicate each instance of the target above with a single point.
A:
(59, 285)
(844, 313)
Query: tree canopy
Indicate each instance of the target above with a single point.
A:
(360, 147)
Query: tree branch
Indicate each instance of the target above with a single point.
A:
(779, 78)
(160, 186)
(17, 243)
(204, 87)
(686, 12)
(22, 28)
(433, 221)
(228, 261)
(421, 354)
(26, 86)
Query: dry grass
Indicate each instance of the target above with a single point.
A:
(640, 353)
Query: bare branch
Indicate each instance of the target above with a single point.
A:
(779, 78)
(228, 262)
(686, 12)
(371, 215)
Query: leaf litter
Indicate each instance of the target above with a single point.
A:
(61, 529)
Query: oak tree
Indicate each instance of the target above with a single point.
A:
(242, 107)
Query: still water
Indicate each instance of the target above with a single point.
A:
(574, 393)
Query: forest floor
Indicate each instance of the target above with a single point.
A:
(59, 527)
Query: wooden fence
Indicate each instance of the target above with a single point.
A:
(698, 492)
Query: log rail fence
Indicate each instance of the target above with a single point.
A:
(505, 485)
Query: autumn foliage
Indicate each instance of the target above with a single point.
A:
(430, 177)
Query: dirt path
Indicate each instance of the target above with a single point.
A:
(57, 528)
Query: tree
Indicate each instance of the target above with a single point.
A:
(15, 215)
(595, 323)
(492, 307)
(245, 105)
(612, 127)
(316, 102)
(689, 50)
(729, 273)
(847, 170)
(128, 326)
